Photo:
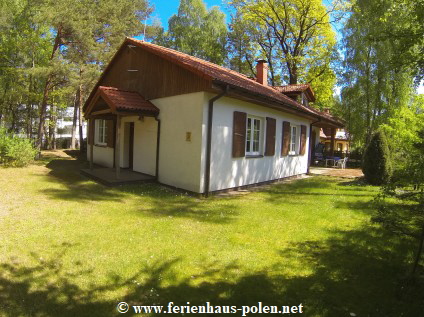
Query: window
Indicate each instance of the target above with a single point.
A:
(305, 99)
(101, 132)
(254, 136)
(294, 141)
(339, 147)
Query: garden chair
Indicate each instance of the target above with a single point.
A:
(341, 163)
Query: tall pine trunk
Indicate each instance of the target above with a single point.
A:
(81, 137)
(42, 114)
(46, 92)
(74, 121)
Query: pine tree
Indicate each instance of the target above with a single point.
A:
(377, 165)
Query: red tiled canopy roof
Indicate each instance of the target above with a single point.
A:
(128, 101)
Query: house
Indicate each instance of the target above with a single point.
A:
(196, 125)
(340, 142)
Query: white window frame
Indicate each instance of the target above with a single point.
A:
(101, 132)
(294, 139)
(251, 150)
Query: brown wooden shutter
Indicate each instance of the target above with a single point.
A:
(270, 137)
(110, 133)
(91, 131)
(302, 139)
(285, 142)
(239, 134)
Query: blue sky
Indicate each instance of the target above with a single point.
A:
(164, 9)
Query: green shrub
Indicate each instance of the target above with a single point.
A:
(15, 151)
(376, 164)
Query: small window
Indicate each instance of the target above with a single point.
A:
(101, 132)
(294, 141)
(305, 100)
(254, 136)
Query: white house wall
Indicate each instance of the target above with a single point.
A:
(229, 172)
(145, 140)
(180, 161)
(102, 155)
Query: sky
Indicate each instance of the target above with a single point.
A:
(164, 9)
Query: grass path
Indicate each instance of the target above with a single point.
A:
(71, 247)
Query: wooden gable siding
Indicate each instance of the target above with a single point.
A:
(155, 78)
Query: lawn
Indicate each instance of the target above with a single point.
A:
(71, 247)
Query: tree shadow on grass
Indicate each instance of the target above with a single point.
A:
(358, 271)
(155, 200)
(76, 187)
(314, 186)
(161, 201)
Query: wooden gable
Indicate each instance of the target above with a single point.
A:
(135, 69)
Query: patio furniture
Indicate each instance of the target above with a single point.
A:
(327, 160)
(341, 163)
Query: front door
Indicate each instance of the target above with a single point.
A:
(131, 146)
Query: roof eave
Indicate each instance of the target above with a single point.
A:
(308, 114)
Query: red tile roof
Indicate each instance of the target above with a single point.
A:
(297, 88)
(129, 101)
(292, 88)
(224, 75)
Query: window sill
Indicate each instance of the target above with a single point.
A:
(254, 156)
(100, 145)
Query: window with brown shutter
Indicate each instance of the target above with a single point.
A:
(110, 133)
(239, 134)
(302, 140)
(285, 142)
(270, 137)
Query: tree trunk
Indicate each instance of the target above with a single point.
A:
(46, 91)
(75, 120)
(42, 112)
(81, 137)
(52, 128)
(292, 73)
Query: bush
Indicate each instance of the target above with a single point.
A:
(15, 151)
(376, 164)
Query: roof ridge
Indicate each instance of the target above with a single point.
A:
(202, 61)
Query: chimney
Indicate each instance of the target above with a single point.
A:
(262, 72)
(327, 110)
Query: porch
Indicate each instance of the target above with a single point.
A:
(336, 172)
(123, 137)
(107, 176)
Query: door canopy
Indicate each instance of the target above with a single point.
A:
(111, 100)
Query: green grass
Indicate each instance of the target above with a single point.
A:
(71, 247)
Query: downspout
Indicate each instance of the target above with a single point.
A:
(209, 140)
(157, 149)
(310, 144)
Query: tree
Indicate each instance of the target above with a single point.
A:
(377, 165)
(377, 82)
(86, 33)
(197, 31)
(296, 38)
(405, 215)
(242, 51)
(23, 51)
